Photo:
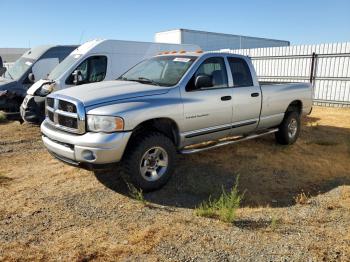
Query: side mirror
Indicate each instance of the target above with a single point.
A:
(31, 77)
(77, 77)
(203, 81)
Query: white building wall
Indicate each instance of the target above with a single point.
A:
(212, 41)
(170, 37)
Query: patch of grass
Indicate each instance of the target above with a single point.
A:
(302, 198)
(223, 208)
(274, 222)
(136, 193)
(2, 117)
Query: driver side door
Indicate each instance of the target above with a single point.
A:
(207, 111)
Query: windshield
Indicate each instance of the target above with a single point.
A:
(17, 70)
(160, 70)
(63, 66)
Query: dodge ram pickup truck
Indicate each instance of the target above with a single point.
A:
(168, 104)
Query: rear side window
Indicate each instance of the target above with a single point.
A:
(93, 69)
(240, 72)
(213, 67)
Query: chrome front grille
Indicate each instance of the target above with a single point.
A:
(67, 106)
(50, 101)
(65, 113)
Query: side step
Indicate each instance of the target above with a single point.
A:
(227, 142)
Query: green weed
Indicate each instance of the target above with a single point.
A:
(223, 208)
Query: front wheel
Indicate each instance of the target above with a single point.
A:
(150, 160)
(289, 129)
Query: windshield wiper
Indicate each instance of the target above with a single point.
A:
(127, 79)
(122, 78)
(145, 79)
(140, 80)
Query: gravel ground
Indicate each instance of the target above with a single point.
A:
(50, 211)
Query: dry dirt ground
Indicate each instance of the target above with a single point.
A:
(51, 211)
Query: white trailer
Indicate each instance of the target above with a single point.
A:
(214, 41)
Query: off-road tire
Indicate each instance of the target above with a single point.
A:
(284, 136)
(135, 152)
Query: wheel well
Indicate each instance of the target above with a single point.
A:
(166, 126)
(295, 106)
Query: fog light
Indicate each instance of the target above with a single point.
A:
(88, 155)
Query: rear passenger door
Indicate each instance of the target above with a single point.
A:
(246, 97)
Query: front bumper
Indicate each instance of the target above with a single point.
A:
(33, 109)
(92, 148)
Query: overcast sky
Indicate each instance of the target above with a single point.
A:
(30, 23)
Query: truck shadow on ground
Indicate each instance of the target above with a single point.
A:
(270, 174)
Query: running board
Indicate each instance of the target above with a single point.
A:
(229, 142)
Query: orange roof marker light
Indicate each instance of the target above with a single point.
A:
(174, 52)
(182, 52)
(166, 52)
(199, 51)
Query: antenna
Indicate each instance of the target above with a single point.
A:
(81, 36)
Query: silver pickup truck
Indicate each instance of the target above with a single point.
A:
(170, 104)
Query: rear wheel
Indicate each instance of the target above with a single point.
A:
(289, 129)
(150, 160)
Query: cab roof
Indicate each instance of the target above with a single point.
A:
(36, 52)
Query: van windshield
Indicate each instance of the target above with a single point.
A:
(63, 66)
(160, 70)
(17, 70)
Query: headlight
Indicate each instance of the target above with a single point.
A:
(45, 89)
(105, 123)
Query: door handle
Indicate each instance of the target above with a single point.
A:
(225, 98)
(254, 94)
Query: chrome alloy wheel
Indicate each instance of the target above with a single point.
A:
(154, 164)
(292, 128)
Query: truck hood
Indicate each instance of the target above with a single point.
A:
(109, 91)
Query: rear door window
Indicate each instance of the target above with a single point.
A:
(240, 72)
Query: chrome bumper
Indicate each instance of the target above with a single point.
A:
(94, 148)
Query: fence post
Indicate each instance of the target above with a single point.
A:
(312, 71)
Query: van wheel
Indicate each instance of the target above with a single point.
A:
(289, 129)
(150, 161)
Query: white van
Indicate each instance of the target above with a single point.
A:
(33, 65)
(94, 61)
